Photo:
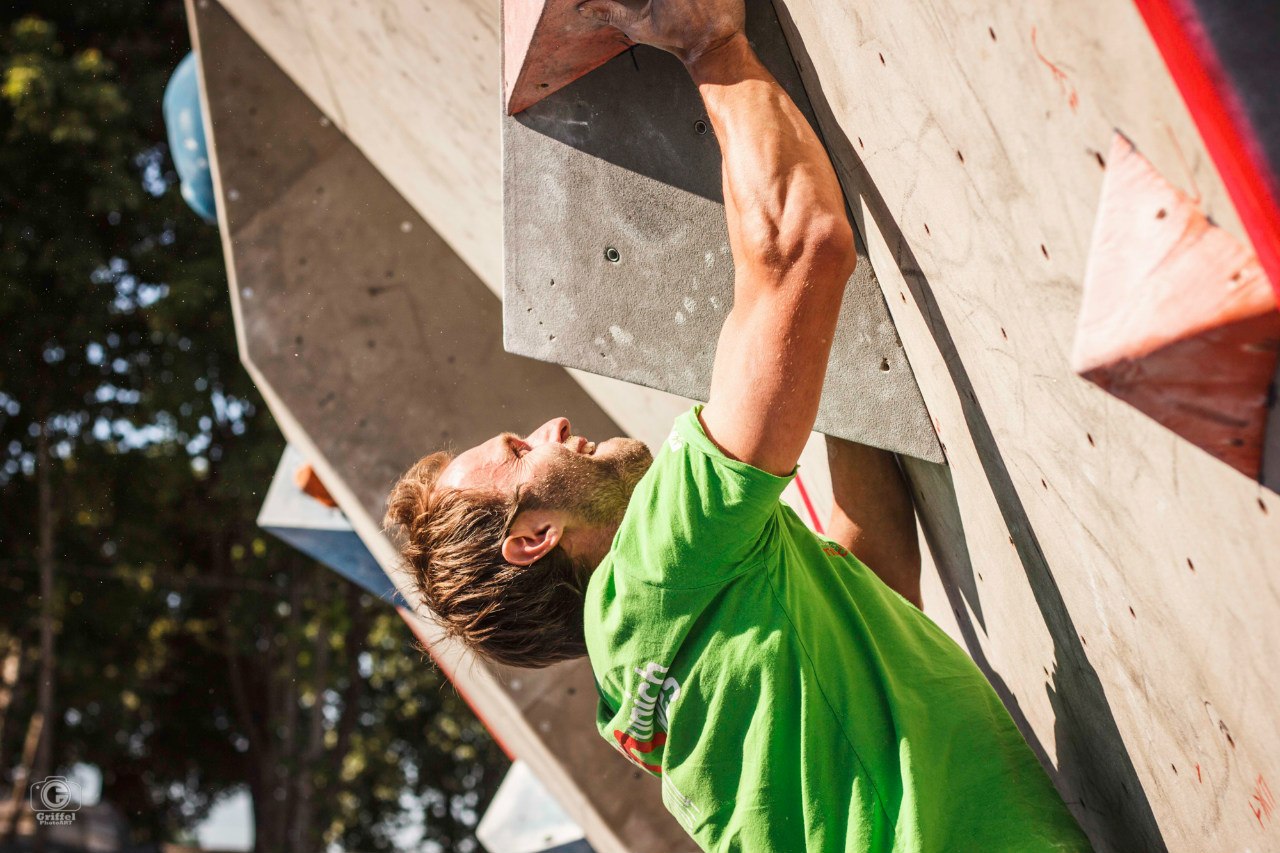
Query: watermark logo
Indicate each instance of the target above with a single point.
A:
(55, 800)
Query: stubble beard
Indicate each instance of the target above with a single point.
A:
(596, 488)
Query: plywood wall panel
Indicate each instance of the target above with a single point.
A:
(415, 86)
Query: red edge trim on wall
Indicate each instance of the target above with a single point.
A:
(808, 505)
(408, 617)
(1228, 134)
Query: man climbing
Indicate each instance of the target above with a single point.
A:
(790, 695)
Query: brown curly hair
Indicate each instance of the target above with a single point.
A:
(451, 544)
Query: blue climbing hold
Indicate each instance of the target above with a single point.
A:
(187, 145)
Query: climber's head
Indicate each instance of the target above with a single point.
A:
(501, 539)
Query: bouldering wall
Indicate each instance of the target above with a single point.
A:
(1119, 586)
(417, 101)
(426, 126)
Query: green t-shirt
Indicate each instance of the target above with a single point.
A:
(787, 698)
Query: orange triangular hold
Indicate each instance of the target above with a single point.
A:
(308, 481)
(546, 45)
(1178, 319)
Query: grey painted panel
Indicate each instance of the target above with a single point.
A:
(617, 255)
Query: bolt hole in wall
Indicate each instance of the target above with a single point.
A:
(612, 255)
(884, 365)
(700, 126)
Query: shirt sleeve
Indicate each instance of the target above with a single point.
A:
(698, 517)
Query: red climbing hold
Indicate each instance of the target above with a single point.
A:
(1178, 319)
(546, 45)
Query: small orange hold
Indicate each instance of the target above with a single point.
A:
(308, 481)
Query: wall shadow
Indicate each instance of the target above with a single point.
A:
(934, 492)
(1094, 770)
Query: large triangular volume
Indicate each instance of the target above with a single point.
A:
(1178, 319)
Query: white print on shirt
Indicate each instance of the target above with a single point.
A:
(654, 695)
(675, 440)
(680, 806)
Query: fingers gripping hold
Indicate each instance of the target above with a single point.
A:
(686, 28)
(614, 13)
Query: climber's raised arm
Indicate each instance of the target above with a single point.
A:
(790, 235)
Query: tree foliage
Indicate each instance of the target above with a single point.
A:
(195, 655)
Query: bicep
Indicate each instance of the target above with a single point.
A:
(769, 369)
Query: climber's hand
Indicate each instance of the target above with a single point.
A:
(687, 28)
